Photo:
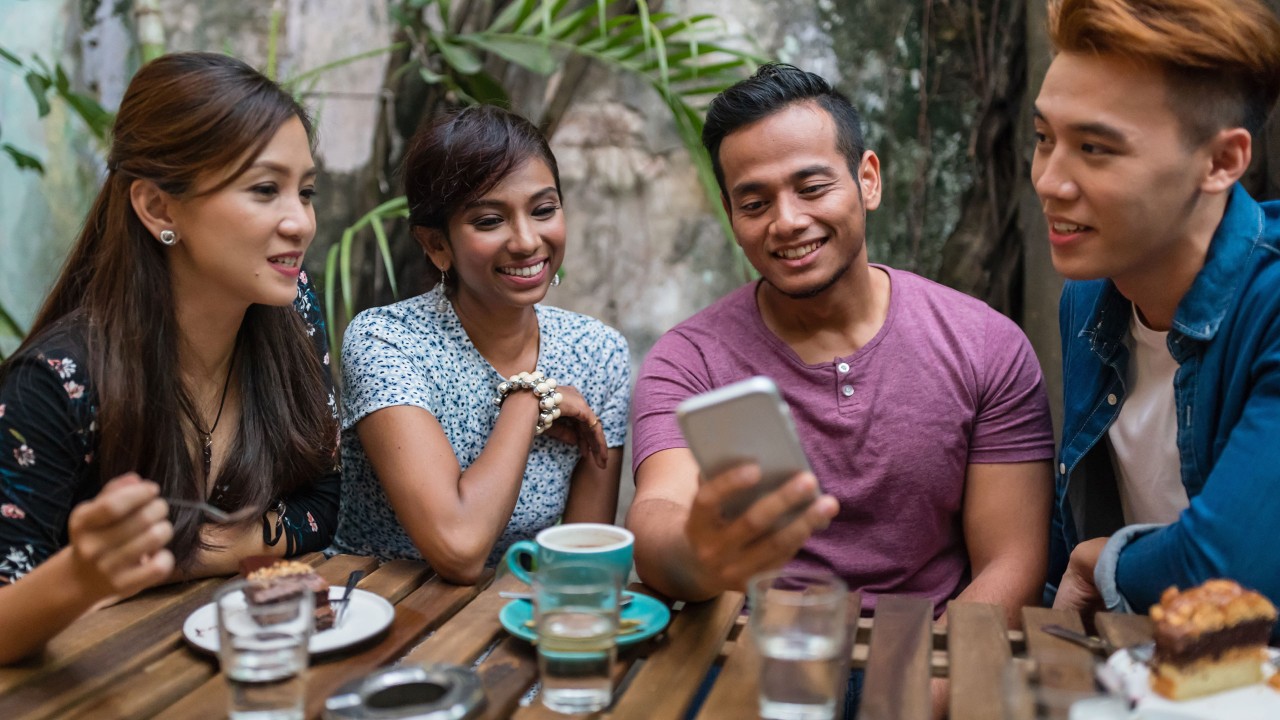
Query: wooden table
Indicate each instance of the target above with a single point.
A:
(131, 661)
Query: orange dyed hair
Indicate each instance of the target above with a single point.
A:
(1222, 57)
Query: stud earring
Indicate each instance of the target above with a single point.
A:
(555, 280)
(169, 237)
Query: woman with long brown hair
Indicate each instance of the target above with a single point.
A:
(181, 343)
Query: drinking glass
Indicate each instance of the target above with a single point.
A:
(262, 647)
(1056, 687)
(576, 613)
(799, 623)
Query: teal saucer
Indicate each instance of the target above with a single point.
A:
(652, 615)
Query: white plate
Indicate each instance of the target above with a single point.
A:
(368, 615)
(1252, 702)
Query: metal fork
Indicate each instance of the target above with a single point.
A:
(218, 514)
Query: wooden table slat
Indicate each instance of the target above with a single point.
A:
(979, 654)
(102, 666)
(897, 680)
(336, 569)
(507, 674)
(1062, 665)
(394, 580)
(665, 685)
(471, 631)
(1124, 630)
(95, 628)
(148, 691)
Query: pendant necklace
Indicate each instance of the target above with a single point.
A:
(207, 444)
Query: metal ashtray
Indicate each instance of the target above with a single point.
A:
(409, 692)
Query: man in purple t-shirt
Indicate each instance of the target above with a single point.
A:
(922, 410)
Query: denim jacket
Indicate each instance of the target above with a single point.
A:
(1226, 340)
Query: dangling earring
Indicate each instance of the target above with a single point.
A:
(169, 237)
(555, 280)
(442, 302)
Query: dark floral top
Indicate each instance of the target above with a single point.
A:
(48, 435)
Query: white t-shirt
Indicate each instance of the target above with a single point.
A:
(1144, 437)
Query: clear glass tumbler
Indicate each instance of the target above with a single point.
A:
(799, 623)
(262, 648)
(576, 612)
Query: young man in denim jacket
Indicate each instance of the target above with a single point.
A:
(1169, 466)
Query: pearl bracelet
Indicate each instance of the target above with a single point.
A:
(543, 387)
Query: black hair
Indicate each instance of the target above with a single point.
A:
(775, 87)
(461, 155)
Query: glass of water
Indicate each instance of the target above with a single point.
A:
(800, 625)
(262, 647)
(576, 612)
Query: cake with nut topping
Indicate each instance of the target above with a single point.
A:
(272, 579)
(1209, 639)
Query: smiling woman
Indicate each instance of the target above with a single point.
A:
(181, 343)
(445, 458)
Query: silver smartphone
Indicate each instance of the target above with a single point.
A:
(745, 422)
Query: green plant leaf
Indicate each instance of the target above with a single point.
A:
(384, 249)
(344, 270)
(94, 115)
(10, 57)
(39, 86)
(540, 23)
(330, 291)
(528, 52)
(315, 72)
(512, 16)
(60, 81)
(458, 57)
(24, 162)
(9, 326)
(430, 76)
(565, 27)
(485, 89)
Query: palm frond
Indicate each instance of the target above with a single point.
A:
(681, 58)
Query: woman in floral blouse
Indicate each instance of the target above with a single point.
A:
(181, 344)
(444, 460)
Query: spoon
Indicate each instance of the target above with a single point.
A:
(352, 579)
(623, 600)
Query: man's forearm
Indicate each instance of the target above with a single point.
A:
(664, 559)
(1012, 584)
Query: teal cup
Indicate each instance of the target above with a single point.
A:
(596, 544)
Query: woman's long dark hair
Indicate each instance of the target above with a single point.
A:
(186, 117)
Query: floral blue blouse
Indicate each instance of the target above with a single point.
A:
(48, 435)
(417, 353)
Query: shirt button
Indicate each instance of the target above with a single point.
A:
(843, 367)
(1111, 399)
(1062, 468)
(847, 390)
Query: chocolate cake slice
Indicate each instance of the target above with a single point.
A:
(1209, 638)
(276, 579)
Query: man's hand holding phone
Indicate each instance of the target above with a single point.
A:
(765, 536)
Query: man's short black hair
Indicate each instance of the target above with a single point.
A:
(772, 88)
